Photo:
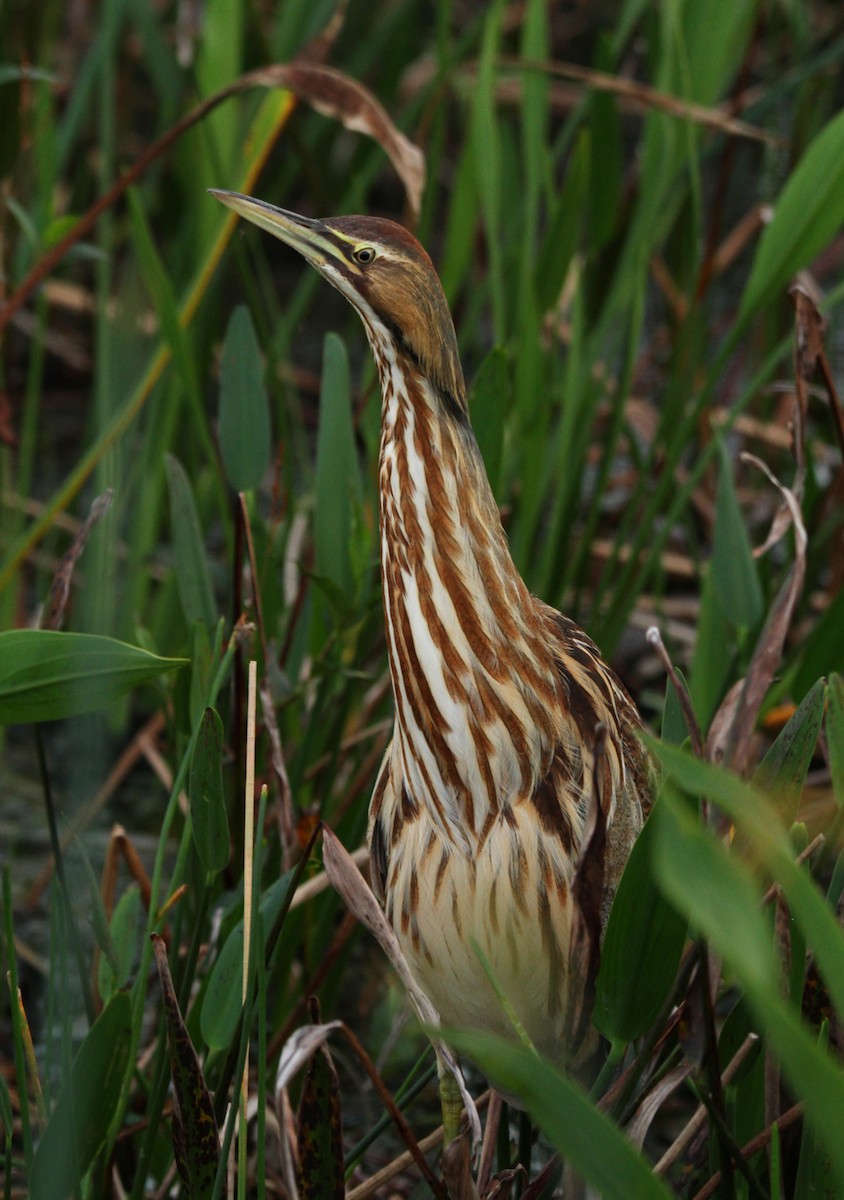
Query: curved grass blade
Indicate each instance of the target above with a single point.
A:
(808, 213)
(590, 1141)
(718, 894)
(767, 839)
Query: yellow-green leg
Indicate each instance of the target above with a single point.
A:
(452, 1105)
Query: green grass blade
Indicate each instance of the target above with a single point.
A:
(489, 403)
(782, 772)
(758, 820)
(193, 577)
(209, 823)
(718, 894)
(267, 125)
(338, 486)
(245, 436)
(734, 573)
(487, 153)
(808, 212)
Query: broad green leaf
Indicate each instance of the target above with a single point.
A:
(86, 1104)
(209, 823)
(202, 665)
(196, 1140)
(718, 894)
(734, 573)
(815, 1175)
(338, 483)
(222, 1004)
(584, 1136)
(782, 772)
(244, 414)
(688, 863)
(124, 935)
(193, 579)
(641, 951)
(320, 1131)
(807, 215)
(489, 402)
(46, 675)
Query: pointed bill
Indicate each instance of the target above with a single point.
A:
(307, 236)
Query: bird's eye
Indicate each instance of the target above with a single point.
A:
(363, 255)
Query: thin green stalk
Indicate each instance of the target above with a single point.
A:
(17, 1031)
(408, 1092)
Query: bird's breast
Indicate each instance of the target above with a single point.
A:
(478, 928)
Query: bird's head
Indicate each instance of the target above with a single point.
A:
(383, 271)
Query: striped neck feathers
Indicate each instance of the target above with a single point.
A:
(473, 676)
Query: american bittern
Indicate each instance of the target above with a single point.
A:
(496, 821)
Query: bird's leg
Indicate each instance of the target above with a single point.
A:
(451, 1103)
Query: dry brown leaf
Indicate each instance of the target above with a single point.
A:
(718, 738)
(298, 1049)
(337, 95)
(456, 1167)
(646, 97)
(734, 741)
(651, 1104)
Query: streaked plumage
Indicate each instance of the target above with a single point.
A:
(479, 816)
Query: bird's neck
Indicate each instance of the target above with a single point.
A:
(473, 678)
